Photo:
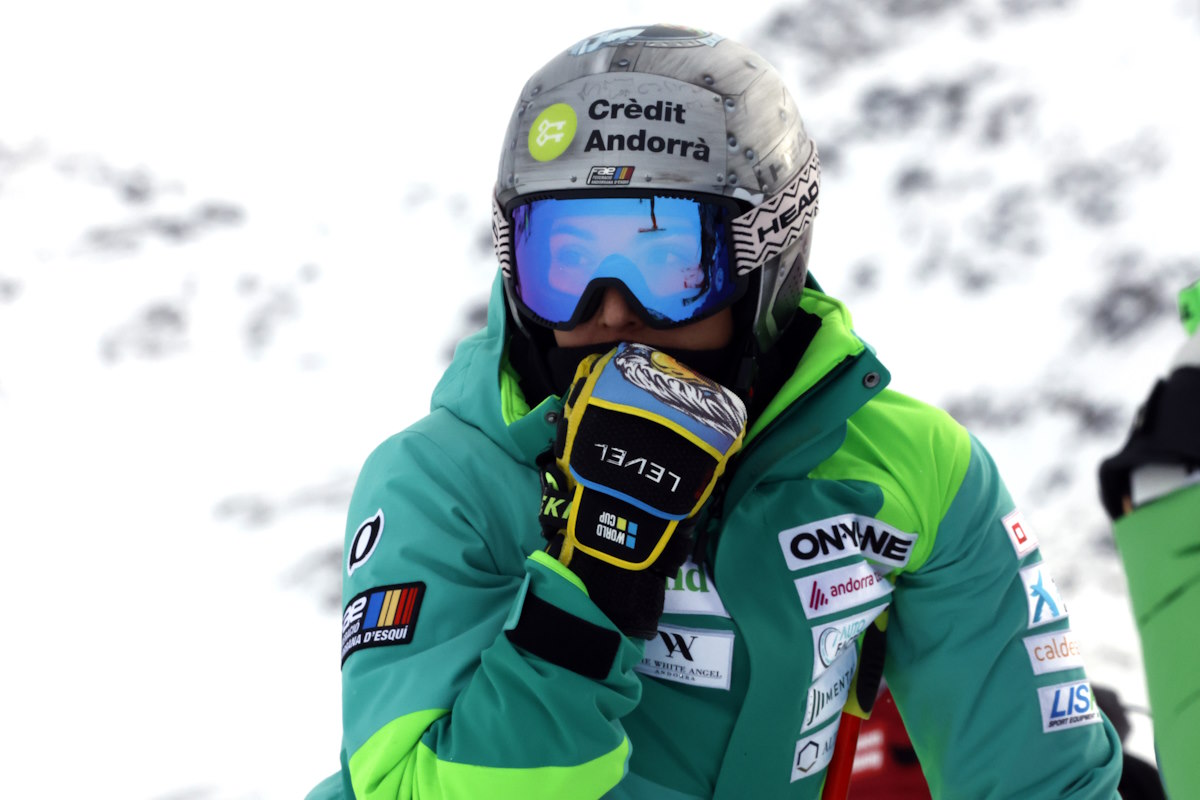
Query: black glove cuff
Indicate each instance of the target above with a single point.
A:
(633, 600)
(550, 633)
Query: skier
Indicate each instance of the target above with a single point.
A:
(1151, 489)
(631, 550)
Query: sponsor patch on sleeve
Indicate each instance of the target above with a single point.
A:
(831, 639)
(814, 752)
(1024, 540)
(836, 590)
(830, 539)
(363, 544)
(1053, 652)
(829, 692)
(689, 655)
(1067, 705)
(1045, 603)
(385, 615)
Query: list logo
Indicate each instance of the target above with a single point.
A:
(1067, 705)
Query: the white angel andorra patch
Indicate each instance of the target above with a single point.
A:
(689, 655)
(1024, 540)
(364, 542)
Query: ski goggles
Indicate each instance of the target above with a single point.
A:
(672, 258)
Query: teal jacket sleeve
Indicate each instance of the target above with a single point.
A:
(982, 662)
(453, 685)
(1160, 545)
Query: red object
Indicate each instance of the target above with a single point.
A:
(837, 775)
(885, 764)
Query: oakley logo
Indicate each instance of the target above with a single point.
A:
(647, 469)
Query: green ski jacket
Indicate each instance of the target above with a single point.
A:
(847, 500)
(1160, 546)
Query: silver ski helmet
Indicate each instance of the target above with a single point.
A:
(679, 111)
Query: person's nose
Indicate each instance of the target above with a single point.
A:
(614, 312)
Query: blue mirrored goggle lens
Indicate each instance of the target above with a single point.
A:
(672, 255)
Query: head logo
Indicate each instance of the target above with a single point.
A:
(364, 541)
(552, 132)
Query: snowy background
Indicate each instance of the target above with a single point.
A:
(238, 242)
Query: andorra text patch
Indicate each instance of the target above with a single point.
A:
(385, 615)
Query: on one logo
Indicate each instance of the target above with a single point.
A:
(1053, 652)
(837, 537)
(364, 541)
(1045, 603)
(1067, 705)
(839, 589)
(1024, 540)
(831, 639)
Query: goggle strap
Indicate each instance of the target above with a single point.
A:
(502, 239)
